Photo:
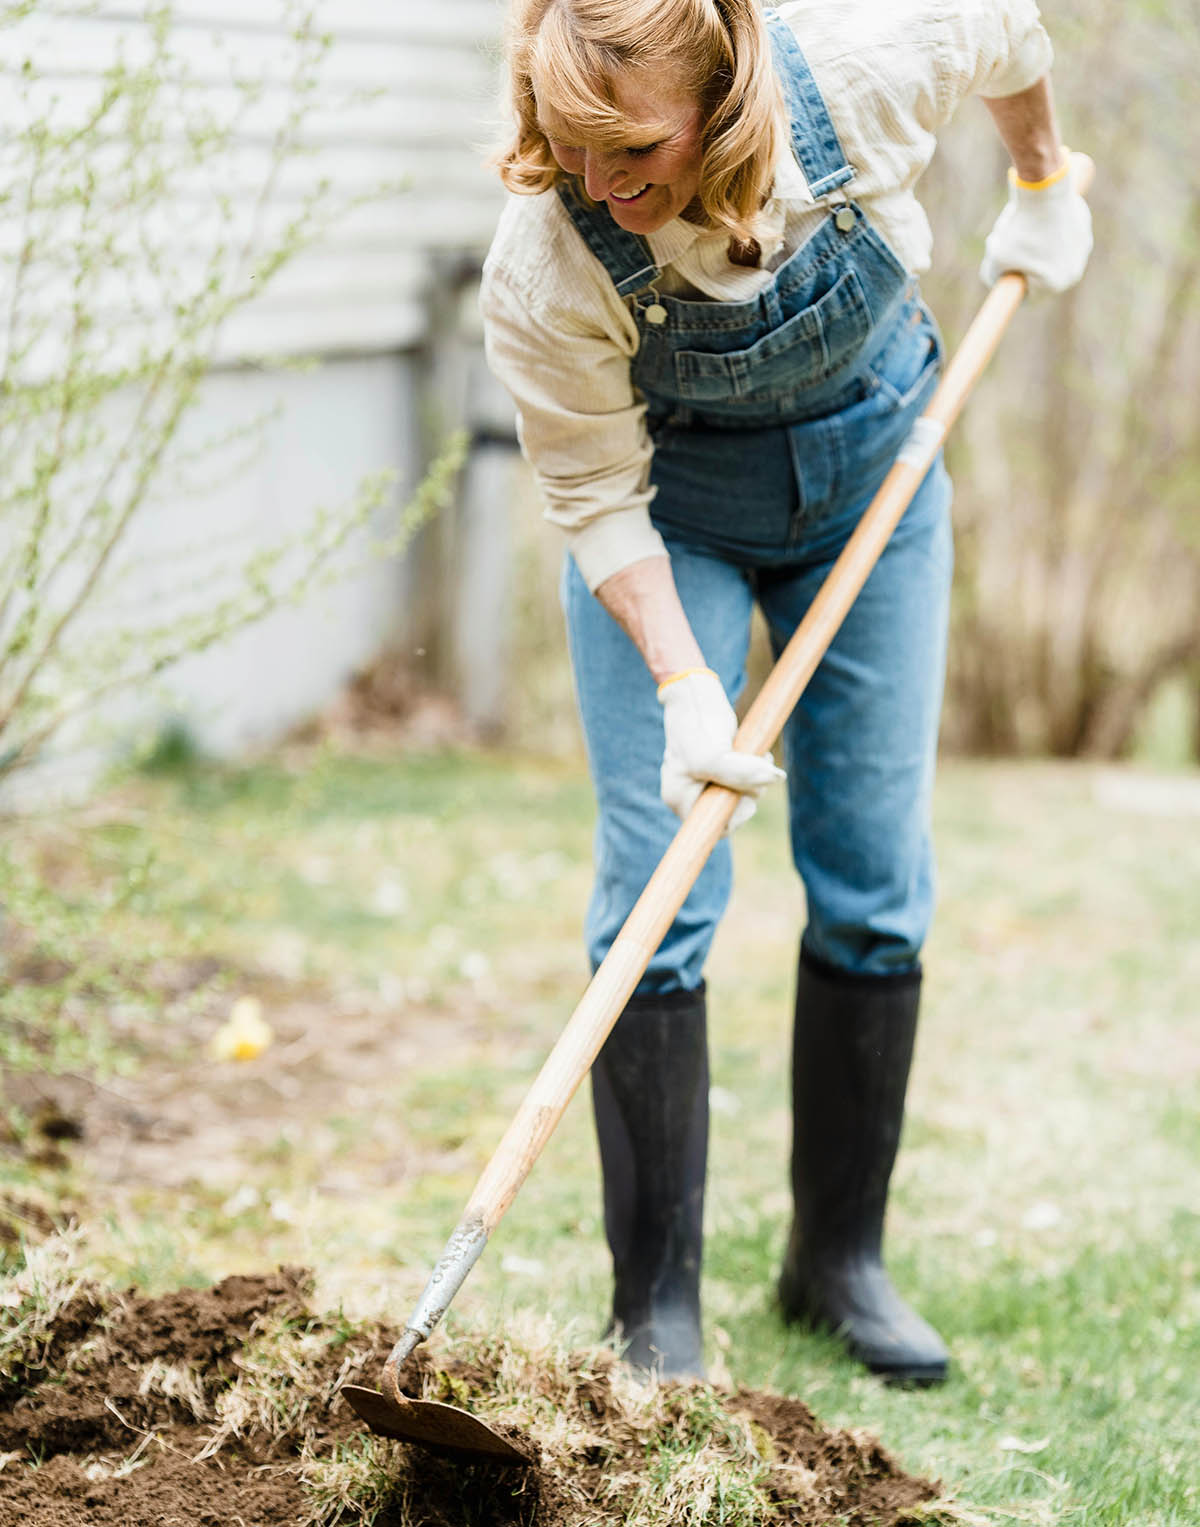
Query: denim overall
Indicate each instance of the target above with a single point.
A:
(774, 421)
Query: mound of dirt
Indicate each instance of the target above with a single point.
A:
(218, 1405)
(85, 1437)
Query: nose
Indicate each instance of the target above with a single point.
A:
(599, 173)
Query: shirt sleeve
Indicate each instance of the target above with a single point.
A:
(581, 426)
(992, 48)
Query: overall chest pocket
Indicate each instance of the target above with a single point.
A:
(804, 350)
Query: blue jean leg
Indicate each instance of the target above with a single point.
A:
(623, 731)
(861, 747)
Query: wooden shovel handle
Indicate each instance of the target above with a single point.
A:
(613, 983)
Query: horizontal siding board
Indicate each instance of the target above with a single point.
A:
(401, 225)
(353, 176)
(304, 321)
(434, 220)
(337, 328)
(351, 172)
(462, 126)
(263, 337)
(327, 271)
(429, 147)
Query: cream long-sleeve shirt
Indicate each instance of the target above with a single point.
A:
(561, 340)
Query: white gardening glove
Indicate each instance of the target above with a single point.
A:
(1045, 232)
(699, 723)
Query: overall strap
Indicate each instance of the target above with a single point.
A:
(814, 137)
(625, 256)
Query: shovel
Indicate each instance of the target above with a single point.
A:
(387, 1411)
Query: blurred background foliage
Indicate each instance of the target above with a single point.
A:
(1077, 615)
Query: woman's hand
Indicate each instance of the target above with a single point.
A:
(698, 720)
(699, 724)
(1045, 232)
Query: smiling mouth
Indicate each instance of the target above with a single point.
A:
(628, 197)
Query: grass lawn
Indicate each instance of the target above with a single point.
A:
(409, 925)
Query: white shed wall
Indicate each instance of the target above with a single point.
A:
(352, 417)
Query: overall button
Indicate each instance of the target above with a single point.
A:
(656, 313)
(843, 220)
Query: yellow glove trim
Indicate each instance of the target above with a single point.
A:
(1042, 185)
(684, 673)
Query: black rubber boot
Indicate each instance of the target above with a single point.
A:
(650, 1092)
(850, 1062)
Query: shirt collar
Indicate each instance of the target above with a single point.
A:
(673, 241)
(790, 183)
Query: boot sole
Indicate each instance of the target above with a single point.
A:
(906, 1378)
(796, 1312)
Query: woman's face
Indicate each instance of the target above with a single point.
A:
(655, 175)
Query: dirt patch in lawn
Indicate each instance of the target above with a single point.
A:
(219, 1405)
(187, 1118)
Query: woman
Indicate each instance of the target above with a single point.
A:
(703, 299)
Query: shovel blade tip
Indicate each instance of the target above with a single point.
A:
(430, 1424)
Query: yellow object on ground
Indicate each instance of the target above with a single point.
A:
(245, 1034)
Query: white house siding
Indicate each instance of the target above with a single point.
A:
(360, 300)
(408, 94)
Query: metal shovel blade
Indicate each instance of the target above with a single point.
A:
(433, 1425)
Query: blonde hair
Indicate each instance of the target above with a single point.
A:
(720, 53)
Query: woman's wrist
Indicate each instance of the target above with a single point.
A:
(669, 651)
(644, 602)
(1044, 182)
(1038, 168)
(684, 673)
(1028, 127)
(670, 658)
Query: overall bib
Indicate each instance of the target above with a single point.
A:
(774, 421)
